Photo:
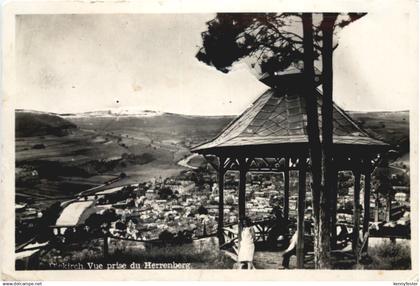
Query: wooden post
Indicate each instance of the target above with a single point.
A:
(106, 248)
(366, 214)
(334, 198)
(221, 179)
(376, 211)
(356, 213)
(241, 197)
(300, 254)
(286, 196)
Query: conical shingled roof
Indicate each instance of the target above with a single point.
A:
(279, 117)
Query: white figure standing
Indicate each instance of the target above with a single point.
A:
(247, 246)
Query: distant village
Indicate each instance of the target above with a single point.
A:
(187, 205)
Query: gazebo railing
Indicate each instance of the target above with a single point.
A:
(230, 234)
(231, 240)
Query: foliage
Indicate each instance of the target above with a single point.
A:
(38, 124)
(261, 37)
(400, 180)
(390, 256)
(121, 195)
(97, 223)
(381, 180)
(38, 146)
(51, 214)
(271, 42)
(199, 257)
(197, 177)
(229, 200)
(166, 236)
(202, 210)
(165, 193)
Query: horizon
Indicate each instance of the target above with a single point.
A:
(159, 112)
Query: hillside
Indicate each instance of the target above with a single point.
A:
(142, 145)
(160, 127)
(390, 127)
(54, 158)
(30, 123)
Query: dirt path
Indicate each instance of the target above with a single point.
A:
(184, 162)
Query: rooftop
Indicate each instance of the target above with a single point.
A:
(74, 213)
(278, 117)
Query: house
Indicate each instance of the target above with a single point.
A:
(177, 208)
(293, 202)
(150, 194)
(401, 197)
(215, 189)
(259, 194)
(351, 191)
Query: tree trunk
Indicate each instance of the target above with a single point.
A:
(388, 206)
(387, 187)
(376, 219)
(366, 208)
(221, 177)
(327, 27)
(300, 224)
(312, 127)
(286, 196)
(241, 196)
(105, 246)
(356, 214)
(333, 201)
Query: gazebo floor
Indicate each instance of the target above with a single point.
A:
(272, 259)
(266, 257)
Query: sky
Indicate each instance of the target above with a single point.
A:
(77, 63)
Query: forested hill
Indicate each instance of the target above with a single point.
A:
(390, 127)
(33, 123)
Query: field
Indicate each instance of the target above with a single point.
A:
(54, 165)
(65, 165)
(390, 127)
(71, 153)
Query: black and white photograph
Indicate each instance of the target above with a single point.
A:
(241, 141)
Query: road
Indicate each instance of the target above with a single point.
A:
(184, 162)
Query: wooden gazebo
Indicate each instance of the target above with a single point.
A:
(270, 136)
